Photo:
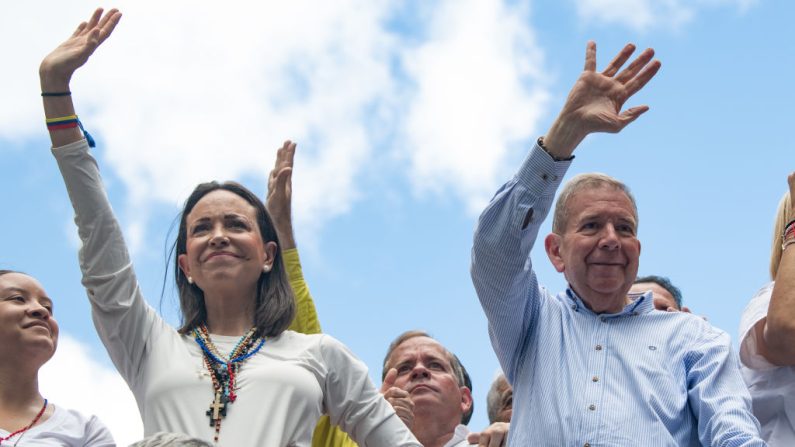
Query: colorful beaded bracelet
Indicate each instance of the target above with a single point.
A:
(68, 122)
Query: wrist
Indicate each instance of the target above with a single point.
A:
(53, 82)
(288, 243)
(561, 139)
(286, 238)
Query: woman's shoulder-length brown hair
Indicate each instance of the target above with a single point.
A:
(275, 304)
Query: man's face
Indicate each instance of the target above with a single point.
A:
(425, 371)
(598, 251)
(663, 300)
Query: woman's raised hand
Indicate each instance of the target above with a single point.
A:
(280, 194)
(57, 67)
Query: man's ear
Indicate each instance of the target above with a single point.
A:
(182, 260)
(552, 245)
(466, 399)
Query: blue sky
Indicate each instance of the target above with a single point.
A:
(407, 118)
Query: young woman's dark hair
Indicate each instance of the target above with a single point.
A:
(275, 304)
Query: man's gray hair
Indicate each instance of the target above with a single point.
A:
(590, 180)
(493, 398)
(171, 440)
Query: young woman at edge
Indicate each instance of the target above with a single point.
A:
(231, 373)
(28, 339)
(767, 334)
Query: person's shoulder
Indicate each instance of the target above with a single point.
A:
(699, 333)
(688, 329)
(291, 337)
(761, 298)
(73, 416)
(312, 344)
(74, 421)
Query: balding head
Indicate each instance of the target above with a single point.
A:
(413, 349)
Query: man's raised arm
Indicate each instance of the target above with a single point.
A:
(501, 272)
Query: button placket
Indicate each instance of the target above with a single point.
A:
(594, 391)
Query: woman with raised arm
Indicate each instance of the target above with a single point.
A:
(28, 338)
(231, 373)
(767, 334)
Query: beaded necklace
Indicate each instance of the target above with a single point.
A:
(223, 372)
(22, 431)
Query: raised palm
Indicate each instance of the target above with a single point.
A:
(596, 100)
(57, 67)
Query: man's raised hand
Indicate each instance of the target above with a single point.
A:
(595, 102)
(495, 435)
(398, 398)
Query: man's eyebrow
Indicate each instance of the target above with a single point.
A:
(439, 358)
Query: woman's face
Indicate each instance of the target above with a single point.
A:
(224, 244)
(26, 319)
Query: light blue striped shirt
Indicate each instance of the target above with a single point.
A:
(640, 377)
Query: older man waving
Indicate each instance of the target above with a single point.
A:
(593, 366)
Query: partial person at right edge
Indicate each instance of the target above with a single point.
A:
(592, 366)
(767, 335)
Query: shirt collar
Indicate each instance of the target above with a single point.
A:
(640, 303)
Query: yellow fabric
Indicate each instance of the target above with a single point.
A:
(327, 435)
(306, 321)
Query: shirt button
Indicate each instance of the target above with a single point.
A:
(603, 319)
(598, 347)
(573, 306)
(587, 445)
(544, 176)
(594, 379)
(592, 407)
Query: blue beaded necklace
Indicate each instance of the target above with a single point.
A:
(223, 372)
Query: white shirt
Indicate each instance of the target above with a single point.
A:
(66, 428)
(282, 390)
(772, 387)
(459, 438)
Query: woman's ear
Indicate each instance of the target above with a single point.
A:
(269, 250)
(182, 260)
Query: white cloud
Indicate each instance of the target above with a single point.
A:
(643, 15)
(479, 90)
(73, 379)
(186, 91)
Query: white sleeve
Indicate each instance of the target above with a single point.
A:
(97, 434)
(353, 402)
(755, 312)
(124, 321)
